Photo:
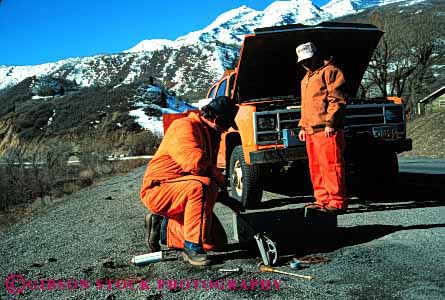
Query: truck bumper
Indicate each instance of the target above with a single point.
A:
(397, 146)
(277, 155)
(299, 152)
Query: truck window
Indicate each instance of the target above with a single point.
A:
(222, 88)
(212, 92)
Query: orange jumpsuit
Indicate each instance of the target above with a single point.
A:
(323, 104)
(181, 182)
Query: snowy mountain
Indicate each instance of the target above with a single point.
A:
(189, 64)
(231, 26)
(338, 8)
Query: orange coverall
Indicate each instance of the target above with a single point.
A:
(181, 182)
(323, 104)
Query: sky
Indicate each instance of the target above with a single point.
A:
(39, 31)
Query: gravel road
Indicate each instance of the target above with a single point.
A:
(81, 249)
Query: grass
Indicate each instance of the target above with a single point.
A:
(29, 189)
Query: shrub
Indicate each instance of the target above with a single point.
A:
(27, 176)
(46, 91)
(144, 143)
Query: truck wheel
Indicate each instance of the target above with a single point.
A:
(245, 180)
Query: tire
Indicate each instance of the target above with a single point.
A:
(245, 180)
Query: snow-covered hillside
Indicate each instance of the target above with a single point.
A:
(338, 8)
(189, 64)
(153, 123)
(231, 26)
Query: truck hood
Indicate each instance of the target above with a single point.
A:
(268, 63)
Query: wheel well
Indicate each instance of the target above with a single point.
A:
(232, 140)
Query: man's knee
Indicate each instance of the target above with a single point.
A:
(194, 189)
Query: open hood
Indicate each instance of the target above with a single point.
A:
(268, 63)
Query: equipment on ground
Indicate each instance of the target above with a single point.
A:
(145, 259)
(270, 269)
(267, 247)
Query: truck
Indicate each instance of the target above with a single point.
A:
(266, 86)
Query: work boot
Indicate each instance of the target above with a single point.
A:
(334, 210)
(317, 208)
(153, 231)
(314, 206)
(195, 255)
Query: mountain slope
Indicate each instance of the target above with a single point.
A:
(110, 115)
(338, 8)
(108, 95)
(192, 62)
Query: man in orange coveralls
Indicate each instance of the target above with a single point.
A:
(181, 183)
(323, 106)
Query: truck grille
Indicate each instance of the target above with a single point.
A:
(360, 120)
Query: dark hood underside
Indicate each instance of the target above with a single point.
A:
(268, 63)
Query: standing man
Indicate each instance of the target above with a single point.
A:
(181, 183)
(323, 106)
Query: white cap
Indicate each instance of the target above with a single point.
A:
(305, 51)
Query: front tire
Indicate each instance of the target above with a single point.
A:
(245, 180)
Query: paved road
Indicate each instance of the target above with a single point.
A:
(391, 247)
(388, 248)
(422, 165)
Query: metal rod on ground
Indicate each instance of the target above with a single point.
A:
(269, 269)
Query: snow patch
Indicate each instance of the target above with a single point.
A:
(154, 124)
(50, 120)
(152, 45)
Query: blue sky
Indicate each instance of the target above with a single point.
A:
(39, 31)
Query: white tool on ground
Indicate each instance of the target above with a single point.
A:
(230, 270)
(145, 259)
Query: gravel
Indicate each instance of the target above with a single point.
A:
(90, 237)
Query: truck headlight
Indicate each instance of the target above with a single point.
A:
(267, 123)
(393, 114)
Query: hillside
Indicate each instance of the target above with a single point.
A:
(191, 63)
(428, 135)
(107, 97)
(116, 117)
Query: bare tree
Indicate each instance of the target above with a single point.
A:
(405, 55)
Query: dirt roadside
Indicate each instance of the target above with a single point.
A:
(89, 238)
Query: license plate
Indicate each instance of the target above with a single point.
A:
(385, 132)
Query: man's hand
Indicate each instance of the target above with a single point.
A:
(302, 135)
(218, 177)
(329, 131)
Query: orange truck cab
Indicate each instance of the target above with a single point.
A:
(266, 86)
